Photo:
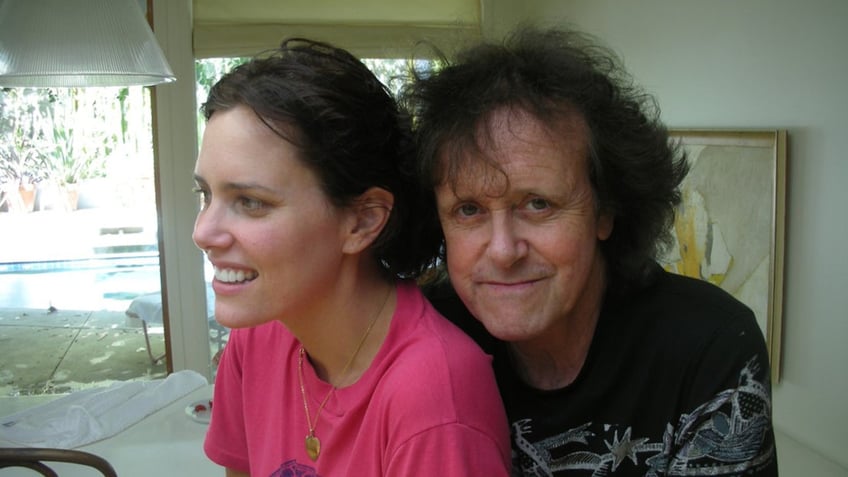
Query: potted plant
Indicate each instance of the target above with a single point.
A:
(20, 147)
(73, 157)
(19, 170)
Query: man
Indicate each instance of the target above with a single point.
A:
(555, 185)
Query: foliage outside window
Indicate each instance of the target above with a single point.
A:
(56, 138)
(391, 72)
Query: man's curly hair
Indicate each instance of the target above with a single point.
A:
(553, 74)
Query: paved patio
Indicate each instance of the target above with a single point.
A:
(53, 352)
(66, 280)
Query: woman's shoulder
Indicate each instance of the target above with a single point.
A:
(424, 344)
(439, 376)
(435, 334)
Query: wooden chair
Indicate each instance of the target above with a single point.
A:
(36, 458)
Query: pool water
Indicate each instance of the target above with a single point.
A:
(79, 285)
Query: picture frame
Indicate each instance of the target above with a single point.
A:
(730, 226)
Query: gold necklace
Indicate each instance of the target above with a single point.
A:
(313, 445)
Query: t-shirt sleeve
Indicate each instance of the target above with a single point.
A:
(226, 442)
(450, 450)
(730, 427)
(446, 417)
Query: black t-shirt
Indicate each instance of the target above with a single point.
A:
(676, 382)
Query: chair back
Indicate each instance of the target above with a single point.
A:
(37, 459)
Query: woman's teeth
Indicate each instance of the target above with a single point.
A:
(228, 275)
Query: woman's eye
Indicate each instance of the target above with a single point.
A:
(251, 204)
(467, 210)
(202, 196)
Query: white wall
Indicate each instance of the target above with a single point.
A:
(758, 64)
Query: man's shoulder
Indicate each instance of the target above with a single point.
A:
(678, 293)
(677, 313)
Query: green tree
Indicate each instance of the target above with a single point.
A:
(21, 137)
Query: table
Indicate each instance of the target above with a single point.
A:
(147, 310)
(166, 443)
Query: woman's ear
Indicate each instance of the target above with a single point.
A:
(369, 214)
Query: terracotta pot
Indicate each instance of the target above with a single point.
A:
(27, 194)
(71, 192)
(18, 197)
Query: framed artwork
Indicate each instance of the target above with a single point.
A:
(729, 229)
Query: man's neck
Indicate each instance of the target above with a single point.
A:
(553, 359)
(556, 363)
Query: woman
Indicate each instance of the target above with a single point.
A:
(336, 365)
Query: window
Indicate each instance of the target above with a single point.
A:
(80, 283)
(79, 239)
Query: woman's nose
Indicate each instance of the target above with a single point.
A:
(209, 229)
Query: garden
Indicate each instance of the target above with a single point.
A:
(58, 145)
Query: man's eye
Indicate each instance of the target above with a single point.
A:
(538, 204)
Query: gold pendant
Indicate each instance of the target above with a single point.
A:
(313, 447)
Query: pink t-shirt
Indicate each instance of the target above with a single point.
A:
(427, 405)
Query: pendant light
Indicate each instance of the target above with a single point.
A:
(77, 43)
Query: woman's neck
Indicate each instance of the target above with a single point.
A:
(341, 347)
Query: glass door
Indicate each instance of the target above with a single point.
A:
(80, 299)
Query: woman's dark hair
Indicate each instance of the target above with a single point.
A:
(348, 129)
(634, 168)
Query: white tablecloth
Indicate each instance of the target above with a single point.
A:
(90, 415)
(164, 444)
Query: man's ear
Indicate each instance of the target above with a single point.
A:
(369, 214)
(605, 224)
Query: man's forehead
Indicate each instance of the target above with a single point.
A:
(556, 123)
(513, 142)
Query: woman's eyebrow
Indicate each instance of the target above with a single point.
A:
(238, 186)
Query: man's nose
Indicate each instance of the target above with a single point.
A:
(506, 244)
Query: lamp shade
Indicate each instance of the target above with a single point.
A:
(76, 43)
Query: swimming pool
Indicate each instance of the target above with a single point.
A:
(95, 284)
